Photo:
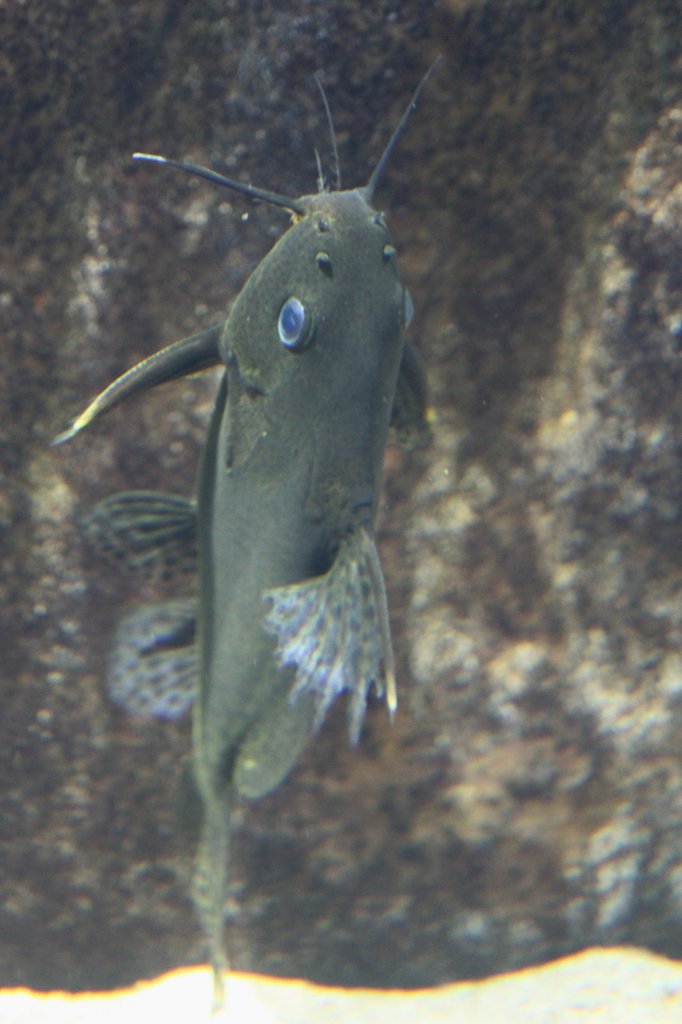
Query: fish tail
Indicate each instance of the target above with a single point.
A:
(209, 887)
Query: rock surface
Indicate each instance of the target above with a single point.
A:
(528, 802)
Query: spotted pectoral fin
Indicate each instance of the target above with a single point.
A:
(145, 530)
(411, 415)
(334, 629)
(153, 668)
(189, 355)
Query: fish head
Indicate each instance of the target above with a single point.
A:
(317, 330)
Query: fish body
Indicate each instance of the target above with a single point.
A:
(289, 478)
(291, 606)
(292, 463)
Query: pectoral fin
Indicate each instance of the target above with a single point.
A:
(189, 355)
(411, 415)
(153, 668)
(145, 530)
(334, 629)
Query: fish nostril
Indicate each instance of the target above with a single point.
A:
(323, 260)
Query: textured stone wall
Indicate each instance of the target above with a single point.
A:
(528, 801)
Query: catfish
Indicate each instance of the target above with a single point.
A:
(291, 607)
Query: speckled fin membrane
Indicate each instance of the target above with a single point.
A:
(153, 667)
(335, 630)
(145, 530)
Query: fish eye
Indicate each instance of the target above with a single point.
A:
(408, 308)
(293, 325)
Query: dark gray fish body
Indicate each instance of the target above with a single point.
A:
(293, 459)
(289, 477)
(291, 606)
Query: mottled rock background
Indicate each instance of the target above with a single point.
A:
(528, 801)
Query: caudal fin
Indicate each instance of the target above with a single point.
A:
(209, 886)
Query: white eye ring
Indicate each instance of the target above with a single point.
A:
(292, 324)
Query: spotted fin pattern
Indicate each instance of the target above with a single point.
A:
(153, 668)
(145, 531)
(335, 630)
